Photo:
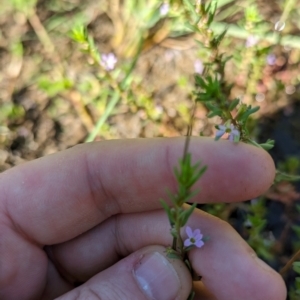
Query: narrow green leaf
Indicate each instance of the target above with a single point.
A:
(200, 81)
(171, 196)
(171, 253)
(281, 176)
(267, 147)
(211, 106)
(186, 214)
(168, 211)
(212, 13)
(191, 296)
(249, 112)
(214, 113)
(234, 104)
(296, 266)
(190, 196)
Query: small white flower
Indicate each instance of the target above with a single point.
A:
(198, 66)
(108, 61)
(164, 9)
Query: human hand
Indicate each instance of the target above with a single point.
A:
(91, 215)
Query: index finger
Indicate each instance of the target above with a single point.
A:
(55, 198)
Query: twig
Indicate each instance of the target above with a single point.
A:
(40, 31)
(289, 263)
(113, 102)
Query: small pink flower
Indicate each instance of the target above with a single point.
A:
(233, 132)
(108, 61)
(194, 238)
(271, 59)
(198, 66)
(251, 41)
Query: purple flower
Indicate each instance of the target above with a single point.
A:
(164, 9)
(108, 61)
(194, 238)
(271, 59)
(234, 133)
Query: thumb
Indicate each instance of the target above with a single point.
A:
(147, 274)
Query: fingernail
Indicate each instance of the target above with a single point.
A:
(156, 277)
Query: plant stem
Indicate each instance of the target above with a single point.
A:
(236, 31)
(112, 103)
(40, 31)
(118, 92)
(289, 263)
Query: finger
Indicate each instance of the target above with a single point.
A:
(21, 277)
(229, 267)
(144, 275)
(63, 195)
(201, 292)
(55, 286)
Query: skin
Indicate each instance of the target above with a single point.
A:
(88, 214)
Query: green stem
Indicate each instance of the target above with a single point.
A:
(112, 103)
(289, 264)
(288, 6)
(236, 31)
(249, 141)
(117, 93)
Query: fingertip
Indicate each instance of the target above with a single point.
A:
(268, 282)
(172, 278)
(263, 172)
(230, 268)
(145, 274)
(237, 171)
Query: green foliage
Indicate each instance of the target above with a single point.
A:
(212, 89)
(79, 34)
(23, 5)
(187, 174)
(118, 84)
(53, 88)
(219, 210)
(10, 112)
(256, 225)
(294, 292)
(288, 170)
(252, 14)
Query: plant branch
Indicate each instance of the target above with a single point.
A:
(289, 264)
